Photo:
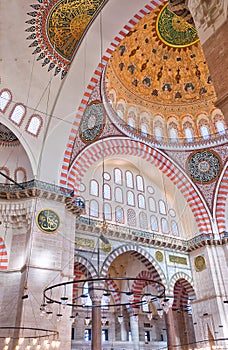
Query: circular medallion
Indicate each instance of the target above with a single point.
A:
(159, 256)
(106, 248)
(204, 166)
(200, 263)
(175, 31)
(92, 122)
(48, 221)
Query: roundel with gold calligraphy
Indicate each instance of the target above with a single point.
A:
(174, 30)
(48, 220)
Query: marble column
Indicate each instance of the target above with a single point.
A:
(170, 329)
(96, 323)
(134, 332)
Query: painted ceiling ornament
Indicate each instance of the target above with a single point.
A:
(204, 166)
(92, 122)
(57, 28)
(174, 30)
(7, 136)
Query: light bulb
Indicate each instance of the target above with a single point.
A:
(38, 347)
(7, 340)
(53, 344)
(6, 347)
(21, 340)
(150, 315)
(34, 341)
(87, 321)
(57, 343)
(17, 347)
(120, 319)
(58, 317)
(28, 347)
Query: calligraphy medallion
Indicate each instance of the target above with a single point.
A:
(174, 30)
(48, 221)
(204, 166)
(200, 263)
(92, 122)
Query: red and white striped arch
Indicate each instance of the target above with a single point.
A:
(95, 79)
(111, 285)
(181, 288)
(221, 202)
(139, 285)
(124, 146)
(3, 255)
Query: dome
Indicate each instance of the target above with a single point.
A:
(157, 82)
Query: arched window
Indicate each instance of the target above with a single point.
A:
(18, 114)
(205, 132)
(5, 99)
(129, 179)
(158, 133)
(131, 123)
(34, 125)
(118, 195)
(144, 129)
(162, 207)
(94, 188)
(220, 127)
(141, 201)
(5, 171)
(130, 198)
(152, 204)
(154, 223)
(173, 134)
(188, 134)
(164, 225)
(140, 183)
(175, 230)
(94, 208)
(20, 175)
(119, 215)
(131, 217)
(107, 211)
(118, 176)
(143, 221)
(107, 191)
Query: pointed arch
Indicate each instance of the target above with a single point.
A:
(125, 146)
(142, 255)
(188, 282)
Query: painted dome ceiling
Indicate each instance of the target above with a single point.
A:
(161, 67)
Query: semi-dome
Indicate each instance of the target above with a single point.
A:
(157, 81)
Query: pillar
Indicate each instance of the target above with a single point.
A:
(170, 329)
(96, 323)
(134, 332)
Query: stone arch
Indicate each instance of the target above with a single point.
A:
(221, 201)
(188, 282)
(142, 255)
(96, 78)
(126, 146)
(88, 266)
(3, 256)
